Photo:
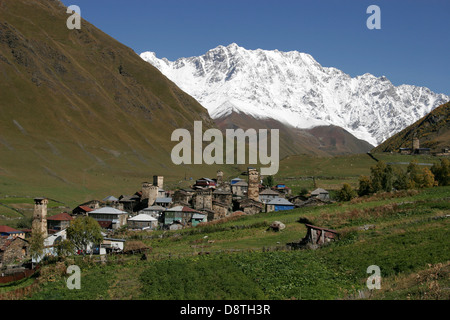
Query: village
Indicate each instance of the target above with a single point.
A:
(155, 208)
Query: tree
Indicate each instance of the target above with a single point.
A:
(36, 244)
(401, 180)
(269, 181)
(427, 178)
(84, 232)
(441, 172)
(64, 248)
(377, 173)
(414, 174)
(346, 193)
(365, 186)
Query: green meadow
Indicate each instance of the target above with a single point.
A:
(404, 233)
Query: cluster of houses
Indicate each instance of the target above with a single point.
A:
(153, 208)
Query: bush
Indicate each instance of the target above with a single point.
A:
(346, 193)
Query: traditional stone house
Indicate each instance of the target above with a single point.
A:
(219, 210)
(203, 200)
(59, 221)
(128, 203)
(183, 197)
(250, 206)
(142, 221)
(223, 196)
(163, 202)
(154, 211)
(11, 232)
(279, 204)
(240, 188)
(198, 218)
(13, 250)
(180, 214)
(109, 218)
(267, 195)
(321, 194)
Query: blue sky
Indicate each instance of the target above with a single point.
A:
(412, 46)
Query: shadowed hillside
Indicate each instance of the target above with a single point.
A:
(80, 112)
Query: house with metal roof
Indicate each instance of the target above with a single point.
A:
(279, 204)
(267, 195)
(109, 218)
(180, 214)
(142, 221)
(239, 188)
(163, 202)
(321, 194)
(110, 199)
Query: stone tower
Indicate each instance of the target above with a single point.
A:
(253, 184)
(149, 192)
(158, 181)
(219, 178)
(203, 200)
(39, 223)
(415, 143)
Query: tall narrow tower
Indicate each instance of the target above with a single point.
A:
(149, 192)
(39, 223)
(158, 181)
(219, 178)
(253, 184)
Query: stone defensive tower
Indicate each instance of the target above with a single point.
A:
(415, 143)
(253, 184)
(158, 181)
(219, 178)
(149, 192)
(203, 200)
(39, 223)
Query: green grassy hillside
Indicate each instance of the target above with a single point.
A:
(433, 131)
(82, 116)
(404, 234)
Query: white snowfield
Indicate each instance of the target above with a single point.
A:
(293, 88)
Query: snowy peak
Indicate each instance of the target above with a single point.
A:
(292, 87)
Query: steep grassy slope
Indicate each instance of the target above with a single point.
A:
(319, 141)
(433, 131)
(81, 114)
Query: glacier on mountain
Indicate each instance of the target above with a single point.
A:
(295, 89)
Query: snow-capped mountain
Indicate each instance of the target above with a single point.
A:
(293, 88)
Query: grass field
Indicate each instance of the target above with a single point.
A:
(407, 238)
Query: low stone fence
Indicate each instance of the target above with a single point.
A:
(16, 276)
